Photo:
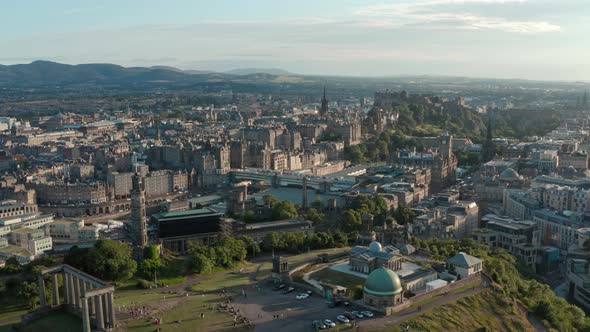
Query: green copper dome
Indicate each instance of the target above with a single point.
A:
(383, 282)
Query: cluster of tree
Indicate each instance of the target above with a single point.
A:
(404, 215)
(521, 123)
(20, 281)
(226, 253)
(362, 207)
(151, 263)
(298, 242)
(512, 276)
(279, 210)
(108, 260)
(330, 136)
(417, 120)
(379, 149)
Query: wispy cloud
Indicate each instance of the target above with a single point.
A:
(450, 14)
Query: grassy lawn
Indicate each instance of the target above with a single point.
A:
(338, 278)
(227, 280)
(486, 309)
(188, 313)
(10, 309)
(56, 322)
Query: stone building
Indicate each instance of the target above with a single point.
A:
(383, 289)
(367, 259)
(442, 163)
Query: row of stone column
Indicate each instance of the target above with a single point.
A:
(75, 289)
(104, 308)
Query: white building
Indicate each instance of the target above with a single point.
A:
(465, 265)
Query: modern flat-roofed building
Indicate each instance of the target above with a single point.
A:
(177, 230)
(519, 237)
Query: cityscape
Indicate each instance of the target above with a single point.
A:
(243, 182)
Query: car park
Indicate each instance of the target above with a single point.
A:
(343, 319)
(329, 323)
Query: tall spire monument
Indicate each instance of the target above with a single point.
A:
(138, 217)
(324, 108)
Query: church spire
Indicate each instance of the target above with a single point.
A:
(324, 108)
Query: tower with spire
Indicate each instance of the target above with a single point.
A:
(324, 108)
(489, 149)
(158, 140)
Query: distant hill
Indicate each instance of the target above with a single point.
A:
(178, 70)
(251, 71)
(42, 73)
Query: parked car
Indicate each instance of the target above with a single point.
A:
(302, 296)
(343, 319)
(279, 287)
(329, 323)
(288, 290)
(318, 324)
(357, 314)
(367, 313)
(348, 315)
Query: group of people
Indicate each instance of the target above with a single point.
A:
(228, 307)
(138, 312)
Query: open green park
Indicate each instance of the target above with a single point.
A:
(180, 298)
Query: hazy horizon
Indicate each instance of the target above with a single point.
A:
(505, 39)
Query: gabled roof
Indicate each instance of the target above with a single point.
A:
(463, 260)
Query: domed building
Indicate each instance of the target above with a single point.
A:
(367, 259)
(383, 289)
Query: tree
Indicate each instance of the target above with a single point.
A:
(149, 267)
(109, 260)
(351, 220)
(29, 293)
(284, 210)
(251, 246)
(404, 215)
(271, 241)
(269, 201)
(151, 262)
(314, 215)
(201, 263)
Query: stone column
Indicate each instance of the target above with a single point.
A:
(90, 303)
(76, 285)
(55, 289)
(111, 308)
(42, 290)
(85, 317)
(65, 287)
(70, 289)
(82, 285)
(99, 315)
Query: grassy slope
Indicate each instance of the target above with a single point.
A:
(472, 313)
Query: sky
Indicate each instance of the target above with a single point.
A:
(530, 39)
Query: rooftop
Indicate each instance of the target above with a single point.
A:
(15, 250)
(463, 260)
(188, 213)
